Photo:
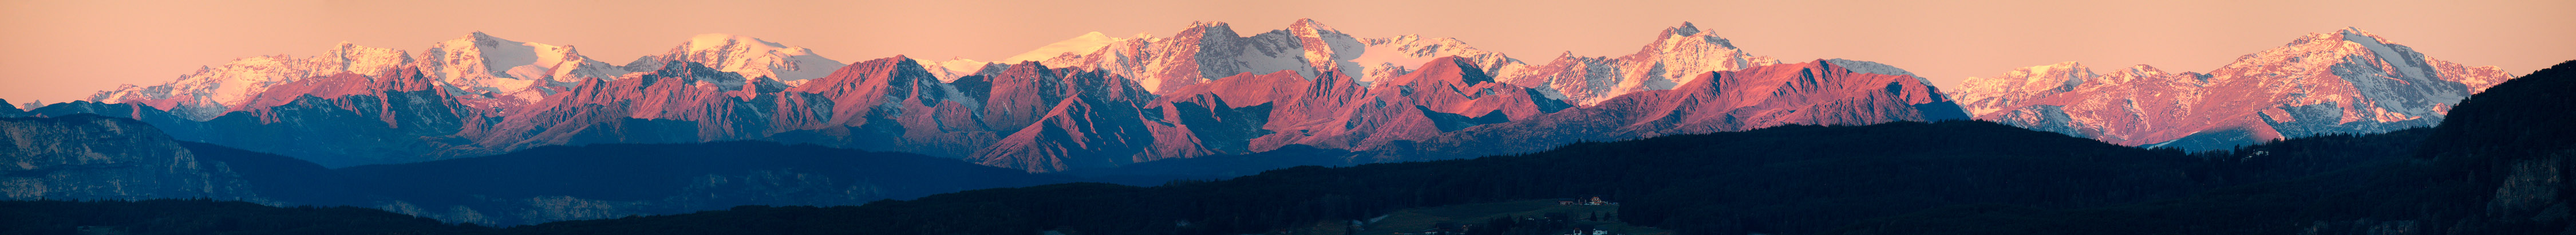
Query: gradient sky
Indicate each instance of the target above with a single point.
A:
(58, 51)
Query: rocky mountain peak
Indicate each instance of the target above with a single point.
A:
(1448, 69)
(1207, 29)
(1308, 25)
(2357, 35)
(1686, 29)
(2145, 71)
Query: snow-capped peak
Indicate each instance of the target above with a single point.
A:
(511, 72)
(1688, 32)
(751, 57)
(953, 68)
(368, 60)
(2059, 76)
(498, 55)
(1308, 24)
(1327, 49)
(712, 41)
(1206, 29)
(2379, 47)
(1858, 66)
(2145, 71)
(2343, 81)
(1078, 45)
(2356, 30)
(213, 90)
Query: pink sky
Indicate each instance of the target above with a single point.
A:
(58, 51)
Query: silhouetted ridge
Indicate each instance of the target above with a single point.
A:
(1813, 179)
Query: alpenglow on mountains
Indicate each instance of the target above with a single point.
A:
(2348, 81)
(1090, 102)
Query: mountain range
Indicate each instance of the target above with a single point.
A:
(1096, 102)
(2347, 81)
(2488, 169)
(1698, 135)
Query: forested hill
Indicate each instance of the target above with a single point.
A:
(200, 216)
(1794, 179)
(600, 181)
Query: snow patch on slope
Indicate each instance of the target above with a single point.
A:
(2384, 53)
